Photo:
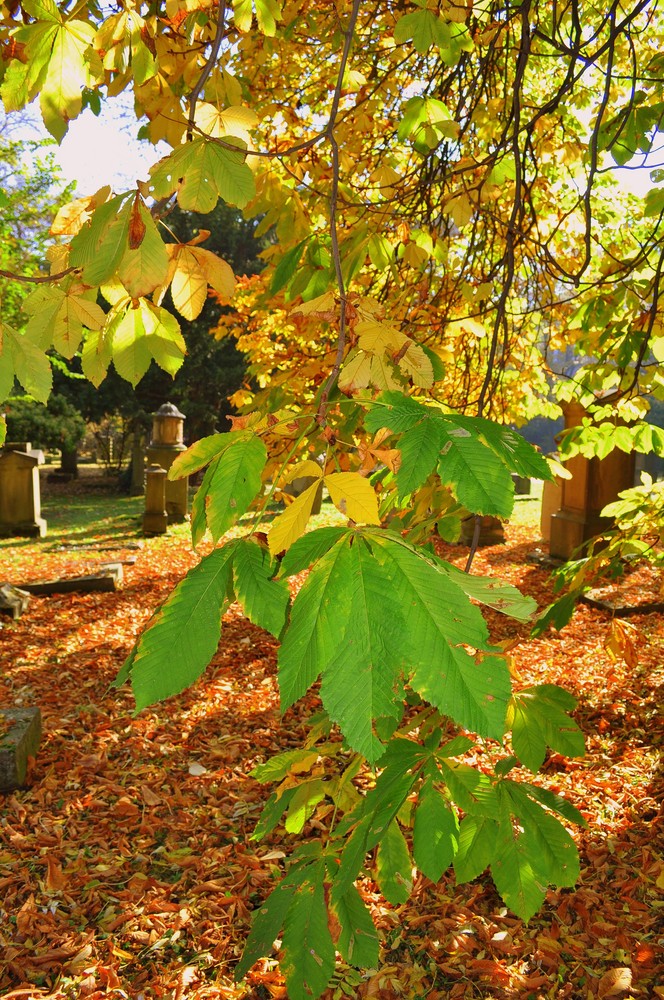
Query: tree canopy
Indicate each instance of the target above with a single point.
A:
(438, 182)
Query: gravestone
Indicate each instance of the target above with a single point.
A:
(155, 518)
(492, 531)
(20, 503)
(166, 443)
(594, 483)
(20, 733)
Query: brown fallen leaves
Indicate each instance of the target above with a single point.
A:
(126, 867)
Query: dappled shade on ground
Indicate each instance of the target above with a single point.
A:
(126, 865)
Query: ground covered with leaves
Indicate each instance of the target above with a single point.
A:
(126, 864)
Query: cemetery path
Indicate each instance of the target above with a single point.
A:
(126, 865)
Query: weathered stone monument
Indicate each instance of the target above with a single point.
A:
(155, 518)
(20, 502)
(20, 733)
(594, 483)
(166, 444)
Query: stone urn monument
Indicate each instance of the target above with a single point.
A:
(166, 444)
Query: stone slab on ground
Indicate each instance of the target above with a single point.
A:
(13, 600)
(107, 580)
(20, 733)
(594, 600)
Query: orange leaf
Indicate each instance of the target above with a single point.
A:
(55, 879)
(620, 642)
(136, 224)
(614, 982)
(149, 797)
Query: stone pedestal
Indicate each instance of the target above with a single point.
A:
(552, 494)
(166, 444)
(20, 503)
(20, 733)
(155, 518)
(594, 484)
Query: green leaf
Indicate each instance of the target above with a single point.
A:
(361, 682)
(263, 599)
(303, 803)
(199, 454)
(183, 637)
(7, 335)
(394, 411)
(163, 337)
(358, 940)
(311, 639)
(143, 269)
(471, 789)
(493, 593)
(552, 851)
(477, 836)
(131, 355)
(425, 28)
(435, 832)
(100, 245)
(558, 614)
(67, 75)
(202, 171)
(440, 617)
(31, 366)
(540, 719)
(95, 356)
(420, 448)
(514, 873)
(266, 926)
(272, 812)
(309, 549)
(286, 267)
(477, 477)
(198, 508)
(308, 952)
(234, 482)
(393, 865)
(517, 454)
(277, 767)
(556, 803)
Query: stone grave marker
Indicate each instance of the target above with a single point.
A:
(20, 503)
(20, 733)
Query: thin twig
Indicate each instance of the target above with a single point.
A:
(41, 280)
(334, 233)
(207, 68)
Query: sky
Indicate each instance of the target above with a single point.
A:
(104, 150)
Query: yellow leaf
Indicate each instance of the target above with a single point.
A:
(89, 313)
(418, 366)
(355, 373)
(217, 272)
(306, 468)
(291, 525)
(353, 496)
(414, 255)
(379, 337)
(73, 216)
(460, 209)
(620, 642)
(383, 374)
(322, 305)
(189, 286)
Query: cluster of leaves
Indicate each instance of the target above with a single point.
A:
(403, 653)
(431, 177)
